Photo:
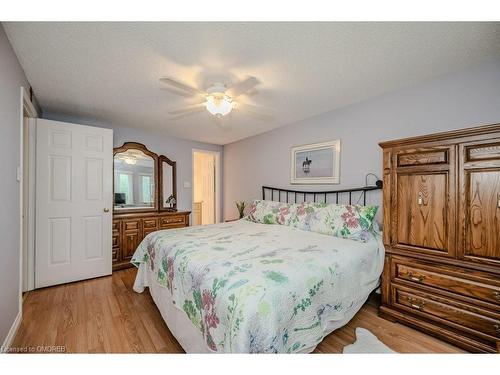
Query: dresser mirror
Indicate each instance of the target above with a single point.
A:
(145, 199)
(168, 184)
(135, 178)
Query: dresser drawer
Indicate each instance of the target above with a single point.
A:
(149, 223)
(132, 224)
(447, 311)
(172, 220)
(449, 279)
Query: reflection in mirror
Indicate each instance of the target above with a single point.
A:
(167, 184)
(134, 180)
(168, 193)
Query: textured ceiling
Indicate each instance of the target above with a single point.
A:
(108, 72)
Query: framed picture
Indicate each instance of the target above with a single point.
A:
(317, 163)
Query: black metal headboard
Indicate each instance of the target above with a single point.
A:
(339, 196)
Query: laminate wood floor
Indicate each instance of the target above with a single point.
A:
(105, 315)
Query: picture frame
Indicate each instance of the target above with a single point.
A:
(316, 163)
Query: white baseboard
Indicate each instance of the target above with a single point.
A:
(12, 333)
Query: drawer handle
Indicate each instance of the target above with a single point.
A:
(498, 200)
(416, 304)
(496, 295)
(497, 327)
(413, 277)
(420, 199)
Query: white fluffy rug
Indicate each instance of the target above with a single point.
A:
(366, 342)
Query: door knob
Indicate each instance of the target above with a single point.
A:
(106, 210)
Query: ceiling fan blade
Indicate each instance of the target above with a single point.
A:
(188, 108)
(182, 86)
(242, 87)
(258, 112)
(191, 112)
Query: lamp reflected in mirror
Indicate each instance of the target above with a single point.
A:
(168, 195)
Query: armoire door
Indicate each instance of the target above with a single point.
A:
(74, 174)
(422, 212)
(480, 202)
(423, 204)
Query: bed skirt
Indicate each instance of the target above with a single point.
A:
(189, 337)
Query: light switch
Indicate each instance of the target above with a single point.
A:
(19, 174)
(187, 184)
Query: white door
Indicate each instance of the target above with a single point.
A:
(74, 176)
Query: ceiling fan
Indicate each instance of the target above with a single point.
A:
(218, 99)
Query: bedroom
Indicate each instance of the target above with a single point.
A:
(250, 187)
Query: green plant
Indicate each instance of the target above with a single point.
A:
(241, 208)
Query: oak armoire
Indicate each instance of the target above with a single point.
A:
(441, 213)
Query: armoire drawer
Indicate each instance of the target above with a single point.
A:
(448, 279)
(482, 151)
(172, 220)
(422, 157)
(447, 311)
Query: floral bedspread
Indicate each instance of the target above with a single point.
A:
(252, 287)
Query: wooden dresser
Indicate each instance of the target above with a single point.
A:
(145, 190)
(130, 229)
(442, 235)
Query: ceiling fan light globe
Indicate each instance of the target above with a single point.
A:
(130, 160)
(218, 105)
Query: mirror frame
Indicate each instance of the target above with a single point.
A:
(163, 159)
(137, 146)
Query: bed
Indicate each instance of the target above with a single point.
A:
(247, 287)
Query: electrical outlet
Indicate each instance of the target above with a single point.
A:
(187, 184)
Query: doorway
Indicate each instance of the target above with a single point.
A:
(206, 175)
(26, 176)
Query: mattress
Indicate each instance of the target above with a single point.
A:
(244, 287)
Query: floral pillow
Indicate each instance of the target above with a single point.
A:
(270, 212)
(345, 221)
(302, 213)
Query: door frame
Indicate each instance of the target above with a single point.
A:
(218, 181)
(26, 278)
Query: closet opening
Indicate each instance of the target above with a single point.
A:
(206, 176)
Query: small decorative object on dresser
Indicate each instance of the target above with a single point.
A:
(145, 199)
(317, 163)
(241, 208)
(442, 235)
